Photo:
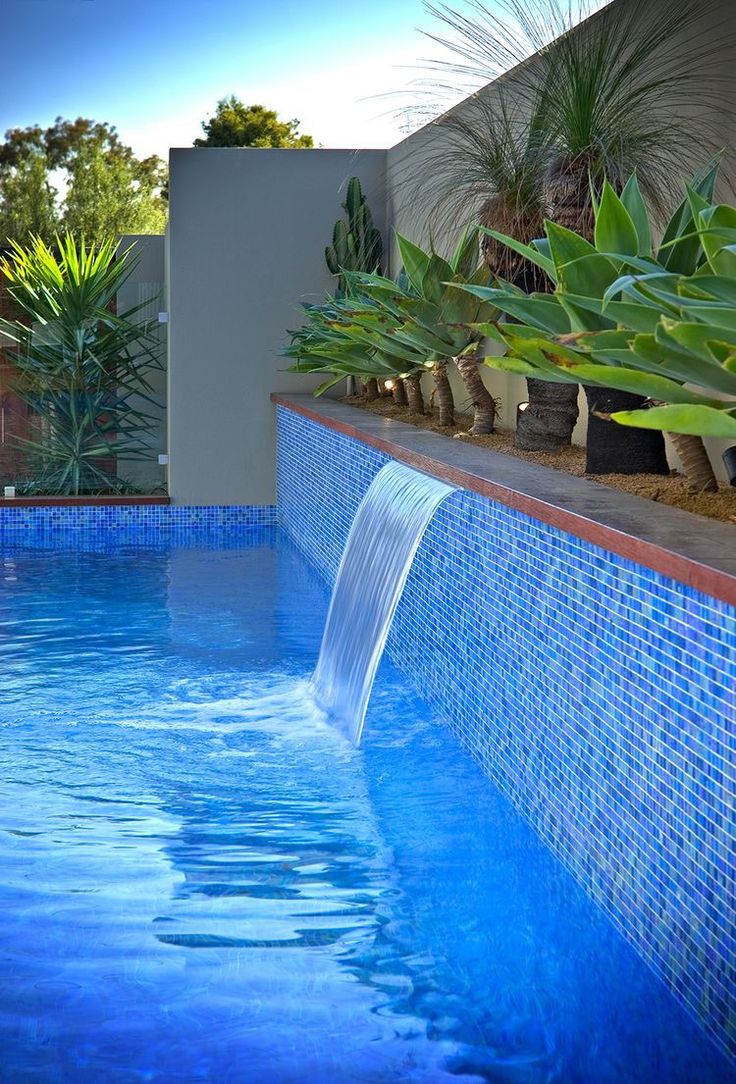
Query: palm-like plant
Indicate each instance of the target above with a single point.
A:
(82, 367)
(436, 321)
(634, 87)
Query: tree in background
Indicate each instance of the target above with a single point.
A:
(108, 190)
(238, 125)
(27, 199)
(111, 194)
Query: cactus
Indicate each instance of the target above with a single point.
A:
(356, 243)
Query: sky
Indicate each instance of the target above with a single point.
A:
(156, 68)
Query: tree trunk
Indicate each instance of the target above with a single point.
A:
(445, 401)
(484, 405)
(695, 462)
(620, 449)
(399, 393)
(413, 386)
(549, 419)
(370, 389)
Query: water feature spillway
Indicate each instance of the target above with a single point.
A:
(383, 539)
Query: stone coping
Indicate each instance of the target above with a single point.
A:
(678, 544)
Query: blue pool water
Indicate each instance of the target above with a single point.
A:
(202, 881)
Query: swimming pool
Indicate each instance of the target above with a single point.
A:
(200, 880)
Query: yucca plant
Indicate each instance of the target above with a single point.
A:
(658, 322)
(83, 368)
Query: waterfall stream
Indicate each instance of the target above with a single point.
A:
(378, 555)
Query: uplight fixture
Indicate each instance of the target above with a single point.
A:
(729, 462)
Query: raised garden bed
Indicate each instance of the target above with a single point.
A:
(672, 490)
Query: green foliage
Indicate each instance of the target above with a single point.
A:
(601, 100)
(83, 368)
(387, 327)
(238, 125)
(109, 190)
(621, 317)
(27, 200)
(109, 195)
(356, 243)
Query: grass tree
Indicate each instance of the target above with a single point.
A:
(83, 367)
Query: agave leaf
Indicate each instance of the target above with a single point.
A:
(327, 384)
(415, 261)
(437, 274)
(614, 227)
(717, 232)
(650, 385)
(701, 421)
(589, 275)
(566, 246)
(633, 201)
(637, 317)
(680, 250)
(519, 366)
(529, 252)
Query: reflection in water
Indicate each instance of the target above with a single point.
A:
(202, 881)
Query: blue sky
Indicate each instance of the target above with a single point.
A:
(155, 68)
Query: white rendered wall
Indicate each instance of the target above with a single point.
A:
(247, 233)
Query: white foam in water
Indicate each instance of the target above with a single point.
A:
(383, 540)
(281, 707)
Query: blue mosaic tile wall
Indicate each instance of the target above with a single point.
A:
(140, 523)
(597, 694)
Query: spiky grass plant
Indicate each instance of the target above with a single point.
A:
(82, 367)
(635, 87)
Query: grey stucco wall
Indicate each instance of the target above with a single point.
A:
(247, 232)
(147, 286)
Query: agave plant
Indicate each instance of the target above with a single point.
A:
(619, 93)
(352, 336)
(83, 368)
(657, 322)
(439, 323)
(402, 328)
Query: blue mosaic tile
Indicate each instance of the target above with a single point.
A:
(598, 695)
(134, 523)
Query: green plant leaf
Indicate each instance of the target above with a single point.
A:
(415, 261)
(633, 201)
(529, 253)
(587, 276)
(614, 228)
(639, 383)
(566, 246)
(700, 421)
